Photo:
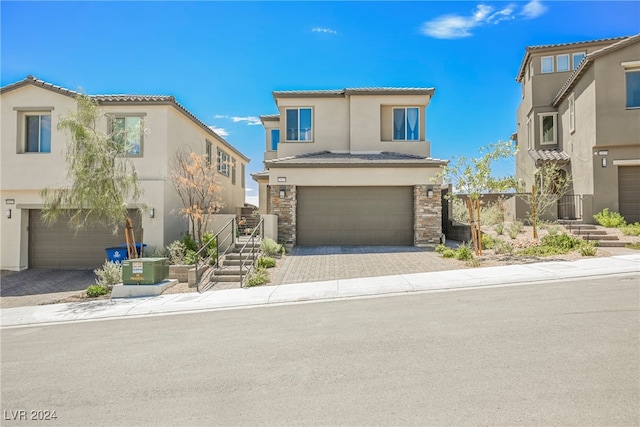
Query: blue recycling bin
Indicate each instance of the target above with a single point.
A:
(117, 254)
(138, 248)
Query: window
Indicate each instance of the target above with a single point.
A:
(530, 69)
(547, 64)
(37, 133)
(242, 172)
(128, 131)
(233, 171)
(633, 88)
(562, 63)
(406, 124)
(275, 139)
(209, 151)
(223, 163)
(529, 134)
(298, 124)
(577, 59)
(548, 128)
(572, 114)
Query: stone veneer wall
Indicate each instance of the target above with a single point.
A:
(285, 209)
(427, 224)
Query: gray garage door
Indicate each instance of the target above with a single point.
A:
(354, 216)
(629, 192)
(59, 246)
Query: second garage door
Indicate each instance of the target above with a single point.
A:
(629, 192)
(59, 246)
(354, 216)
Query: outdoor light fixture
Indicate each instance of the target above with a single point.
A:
(9, 213)
(282, 194)
(604, 162)
(152, 213)
(430, 192)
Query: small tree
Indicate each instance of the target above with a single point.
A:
(102, 178)
(196, 182)
(550, 184)
(473, 177)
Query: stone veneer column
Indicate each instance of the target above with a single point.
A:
(427, 224)
(285, 209)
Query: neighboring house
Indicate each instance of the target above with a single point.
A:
(351, 167)
(33, 159)
(580, 108)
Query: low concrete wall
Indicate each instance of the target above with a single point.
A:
(215, 225)
(270, 226)
(458, 232)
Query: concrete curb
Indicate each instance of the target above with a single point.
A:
(319, 291)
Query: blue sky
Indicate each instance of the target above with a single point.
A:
(222, 60)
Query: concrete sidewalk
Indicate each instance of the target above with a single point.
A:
(319, 291)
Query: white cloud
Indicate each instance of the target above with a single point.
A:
(456, 26)
(533, 9)
(323, 30)
(250, 120)
(220, 131)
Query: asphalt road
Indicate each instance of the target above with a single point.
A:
(546, 354)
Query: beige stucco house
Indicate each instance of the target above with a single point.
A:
(32, 158)
(351, 167)
(581, 109)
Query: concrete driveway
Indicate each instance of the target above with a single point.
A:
(318, 263)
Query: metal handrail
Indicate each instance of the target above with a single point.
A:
(216, 237)
(252, 237)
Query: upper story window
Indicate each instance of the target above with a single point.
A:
(275, 139)
(128, 130)
(37, 133)
(233, 171)
(299, 124)
(208, 151)
(242, 172)
(577, 59)
(547, 64)
(406, 124)
(633, 88)
(223, 163)
(548, 128)
(529, 135)
(562, 63)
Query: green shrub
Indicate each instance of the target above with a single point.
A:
(631, 229)
(176, 250)
(448, 253)
(561, 241)
(502, 247)
(488, 242)
(499, 228)
(266, 262)
(109, 274)
(514, 229)
(189, 243)
(209, 241)
(94, 291)
(464, 253)
(259, 276)
(440, 248)
(270, 247)
(588, 249)
(190, 257)
(553, 230)
(609, 219)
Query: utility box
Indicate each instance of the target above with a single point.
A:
(144, 271)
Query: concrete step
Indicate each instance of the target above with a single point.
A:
(603, 237)
(232, 279)
(235, 256)
(240, 245)
(611, 244)
(591, 232)
(231, 270)
(580, 227)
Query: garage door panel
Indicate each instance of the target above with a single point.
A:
(59, 246)
(355, 216)
(629, 192)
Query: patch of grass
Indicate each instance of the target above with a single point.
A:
(266, 262)
(448, 253)
(474, 262)
(588, 249)
(514, 229)
(94, 291)
(259, 276)
(464, 253)
(499, 228)
(503, 247)
(553, 245)
(488, 242)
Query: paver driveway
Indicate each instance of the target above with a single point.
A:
(317, 263)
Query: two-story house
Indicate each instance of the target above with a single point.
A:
(351, 167)
(33, 158)
(580, 109)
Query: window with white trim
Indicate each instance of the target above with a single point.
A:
(299, 124)
(223, 163)
(208, 151)
(37, 131)
(128, 130)
(632, 80)
(242, 172)
(233, 171)
(546, 64)
(577, 59)
(548, 128)
(572, 114)
(562, 63)
(406, 124)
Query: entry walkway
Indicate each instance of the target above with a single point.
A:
(539, 273)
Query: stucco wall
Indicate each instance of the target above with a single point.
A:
(354, 176)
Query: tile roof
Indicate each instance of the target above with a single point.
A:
(355, 91)
(328, 158)
(530, 49)
(586, 63)
(542, 156)
(123, 99)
